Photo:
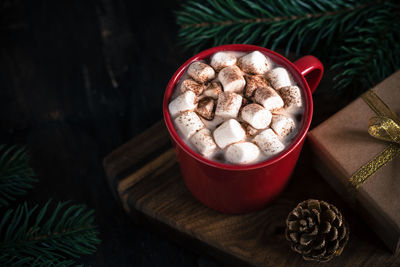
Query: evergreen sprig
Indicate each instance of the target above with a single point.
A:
(46, 237)
(373, 54)
(335, 30)
(16, 175)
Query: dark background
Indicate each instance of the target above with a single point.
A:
(78, 79)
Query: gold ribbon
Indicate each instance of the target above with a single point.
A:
(386, 127)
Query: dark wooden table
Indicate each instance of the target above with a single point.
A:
(77, 80)
(144, 176)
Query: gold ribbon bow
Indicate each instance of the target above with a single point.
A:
(386, 127)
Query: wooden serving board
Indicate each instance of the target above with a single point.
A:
(145, 177)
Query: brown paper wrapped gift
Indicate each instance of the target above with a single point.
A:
(343, 145)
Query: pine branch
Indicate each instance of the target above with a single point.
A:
(273, 23)
(359, 37)
(33, 237)
(16, 176)
(372, 54)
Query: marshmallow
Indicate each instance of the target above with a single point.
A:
(269, 142)
(188, 123)
(291, 95)
(214, 123)
(250, 130)
(255, 63)
(182, 103)
(228, 133)
(228, 105)
(268, 98)
(203, 142)
(205, 108)
(221, 60)
(242, 153)
(253, 82)
(232, 79)
(256, 116)
(213, 89)
(190, 85)
(279, 77)
(282, 125)
(201, 72)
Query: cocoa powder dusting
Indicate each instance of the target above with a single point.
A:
(253, 82)
(231, 73)
(290, 96)
(193, 86)
(205, 108)
(265, 92)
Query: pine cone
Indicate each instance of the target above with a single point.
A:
(317, 230)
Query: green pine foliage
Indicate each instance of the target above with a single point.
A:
(373, 54)
(16, 175)
(46, 237)
(39, 236)
(337, 31)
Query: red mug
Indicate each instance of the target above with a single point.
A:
(243, 188)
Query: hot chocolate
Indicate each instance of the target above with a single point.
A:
(237, 108)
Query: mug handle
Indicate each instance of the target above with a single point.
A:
(311, 69)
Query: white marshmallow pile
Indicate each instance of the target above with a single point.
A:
(269, 98)
(291, 95)
(182, 103)
(255, 63)
(204, 142)
(257, 116)
(213, 90)
(188, 123)
(228, 133)
(190, 85)
(282, 125)
(221, 60)
(239, 105)
(200, 72)
(279, 77)
(232, 79)
(242, 153)
(228, 105)
(269, 142)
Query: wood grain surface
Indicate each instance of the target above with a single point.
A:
(146, 179)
